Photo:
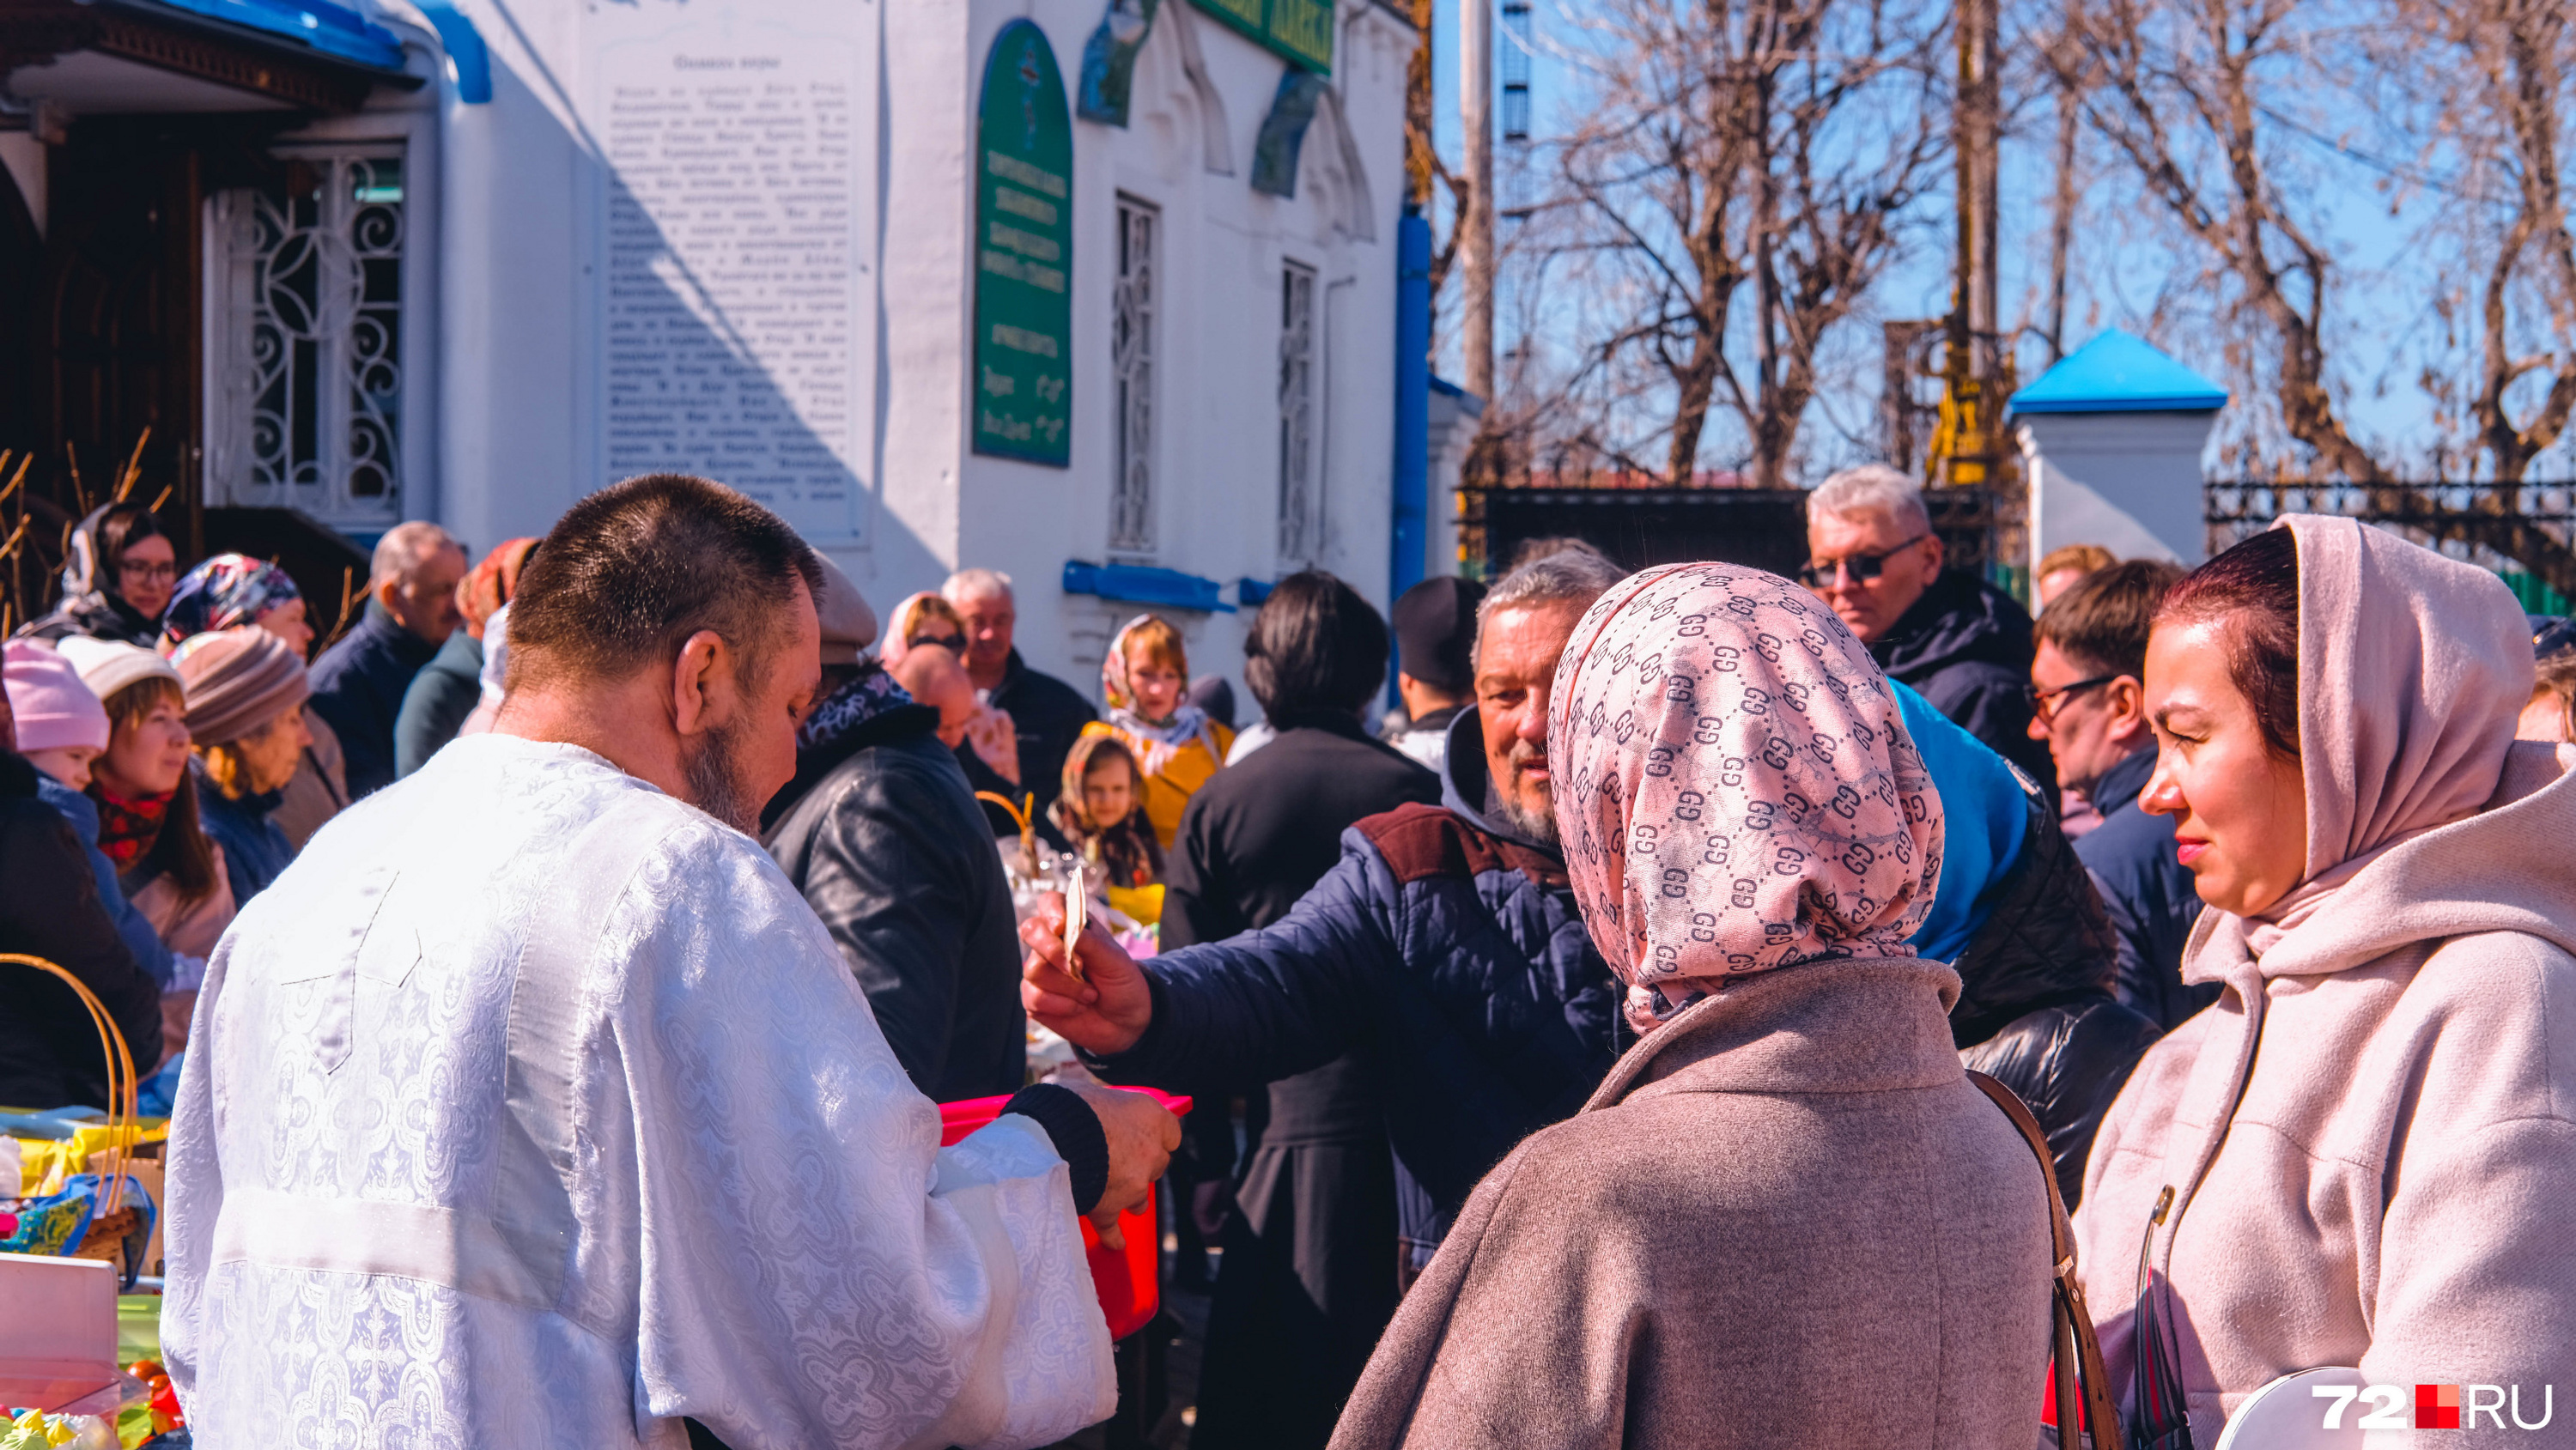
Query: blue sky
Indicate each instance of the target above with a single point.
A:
(2371, 187)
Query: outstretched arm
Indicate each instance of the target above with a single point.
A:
(1231, 1014)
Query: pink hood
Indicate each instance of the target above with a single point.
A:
(2368, 1143)
(2412, 668)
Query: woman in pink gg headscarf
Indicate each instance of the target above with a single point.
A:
(1785, 1219)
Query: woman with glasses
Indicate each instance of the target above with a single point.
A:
(2364, 1153)
(117, 580)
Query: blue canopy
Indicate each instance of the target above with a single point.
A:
(2118, 373)
(333, 30)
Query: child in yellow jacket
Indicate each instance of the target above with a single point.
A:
(1176, 746)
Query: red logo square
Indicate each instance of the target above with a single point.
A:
(2437, 1407)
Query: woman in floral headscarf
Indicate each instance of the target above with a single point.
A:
(1146, 679)
(1785, 1219)
(230, 590)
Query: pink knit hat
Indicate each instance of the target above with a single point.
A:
(55, 710)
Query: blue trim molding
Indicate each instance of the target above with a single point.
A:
(469, 64)
(334, 30)
(1141, 584)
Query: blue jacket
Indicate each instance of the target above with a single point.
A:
(256, 852)
(358, 687)
(1446, 952)
(131, 925)
(2147, 893)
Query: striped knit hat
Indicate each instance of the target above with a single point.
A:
(237, 681)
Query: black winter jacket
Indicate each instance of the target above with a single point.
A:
(1307, 1285)
(885, 841)
(1965, 646)
(96, 615)
(2035, 1009)
(2148, 892)
(1259, 835)
(358, 688)
(50, 1055)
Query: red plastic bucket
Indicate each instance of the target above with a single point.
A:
(1130, 1284)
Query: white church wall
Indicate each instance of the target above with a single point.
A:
(1222, 250)
(516, 358)
(526, 232)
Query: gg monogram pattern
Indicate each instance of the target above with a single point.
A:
(1734, 787)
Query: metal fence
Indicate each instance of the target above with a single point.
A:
(2524, 531)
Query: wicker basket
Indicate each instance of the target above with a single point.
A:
(106, 1236)
(123, 1093)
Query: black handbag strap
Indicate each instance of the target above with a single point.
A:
(2071, 1335)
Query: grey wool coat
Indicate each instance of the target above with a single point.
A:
(1785, 1220)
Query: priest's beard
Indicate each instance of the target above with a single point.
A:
(713, 776)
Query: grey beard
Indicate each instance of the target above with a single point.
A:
(1539, 826)
(716, 787)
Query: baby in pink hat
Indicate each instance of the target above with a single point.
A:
(61, 726)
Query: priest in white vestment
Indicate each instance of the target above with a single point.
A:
(533, 1107)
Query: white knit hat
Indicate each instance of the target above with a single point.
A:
(107, 666)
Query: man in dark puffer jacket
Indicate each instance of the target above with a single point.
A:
(1444, 950)
(1873, 556)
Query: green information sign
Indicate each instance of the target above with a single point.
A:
(1023, 253)
(1300, 30)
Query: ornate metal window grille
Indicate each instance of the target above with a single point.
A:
(1131, 337)
(308, 346)
(1301, 511)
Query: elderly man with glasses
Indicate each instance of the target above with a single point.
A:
(1961, 643)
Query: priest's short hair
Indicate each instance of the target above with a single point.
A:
(629, 573)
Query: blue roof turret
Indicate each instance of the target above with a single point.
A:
(2119, 373)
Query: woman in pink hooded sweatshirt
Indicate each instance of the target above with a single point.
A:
(2364, 1153)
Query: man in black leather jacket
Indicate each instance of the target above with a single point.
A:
(883, 836)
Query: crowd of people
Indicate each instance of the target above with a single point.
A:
(550, 983)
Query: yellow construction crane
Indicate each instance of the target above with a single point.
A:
(1968, 447)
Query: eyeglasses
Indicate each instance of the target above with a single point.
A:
(2046, 703)
(149, 573)
(2560, 634)
(1860, 568)
(947, 641)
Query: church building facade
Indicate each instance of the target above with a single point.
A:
(1099, 293)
